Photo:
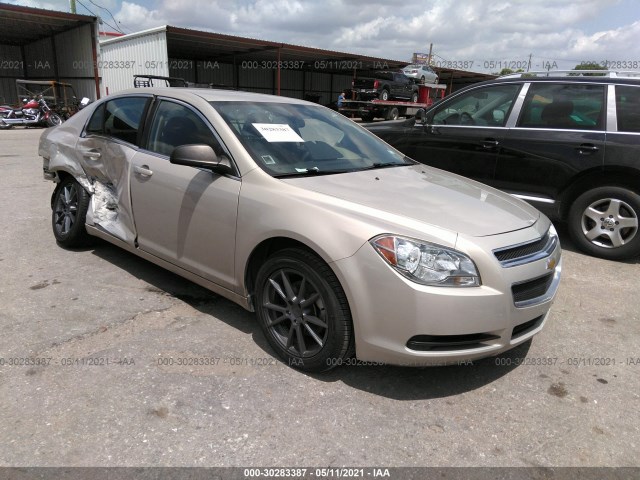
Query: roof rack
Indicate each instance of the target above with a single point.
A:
(572, 73)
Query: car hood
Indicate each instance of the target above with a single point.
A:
(428, 195)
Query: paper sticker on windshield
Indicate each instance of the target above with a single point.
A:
(277, 132)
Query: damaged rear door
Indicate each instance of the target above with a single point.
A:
(104, 152)
(184, 215)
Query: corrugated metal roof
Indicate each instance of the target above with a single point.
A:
(184, 43)
(23, 25)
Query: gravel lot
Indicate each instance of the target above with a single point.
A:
(569, 398)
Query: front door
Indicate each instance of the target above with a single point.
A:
(184, 215)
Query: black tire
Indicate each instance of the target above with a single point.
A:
(367, 117)
(422, 79)
(393, 113)
(3, 125)
(313, 333)
(384, 94)
(70, 203)
(603, 222)
(54, 120)
(414, 97)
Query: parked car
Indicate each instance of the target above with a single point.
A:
(385, 85)
(421, 73)
(339, 243)
(570, 145)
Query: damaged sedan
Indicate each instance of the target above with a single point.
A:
(344, 247)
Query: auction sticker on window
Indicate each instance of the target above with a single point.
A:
(277, 132)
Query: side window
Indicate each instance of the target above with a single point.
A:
(174, 124)
(96, 123)
(573, 106)
(488, 106)
(628, 108)
(122, 117)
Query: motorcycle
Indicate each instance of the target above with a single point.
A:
(33, 112)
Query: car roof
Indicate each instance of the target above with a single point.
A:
(211, 94)
(566, 79)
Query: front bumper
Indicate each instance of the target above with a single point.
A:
(400, 322)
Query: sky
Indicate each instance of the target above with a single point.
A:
(476, 35)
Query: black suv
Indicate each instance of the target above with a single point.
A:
(570, 145)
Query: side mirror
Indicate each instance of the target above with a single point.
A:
(201, 156)
(421, 116)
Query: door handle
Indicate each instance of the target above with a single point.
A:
(92, 154)
(490, 144)
(143, 171)
(587, 149)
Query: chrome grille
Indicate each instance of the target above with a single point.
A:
(526, 252)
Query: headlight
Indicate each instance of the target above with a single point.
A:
(427, 263)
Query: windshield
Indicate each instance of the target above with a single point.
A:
(298, 140)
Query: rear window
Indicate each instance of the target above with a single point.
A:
(119, 118)
(563, 106)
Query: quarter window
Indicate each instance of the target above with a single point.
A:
(488, 106)
(628, 108)
(174, 125)
(563, 106)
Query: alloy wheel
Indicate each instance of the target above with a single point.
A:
(66, 209)
(296, 313)
(609, 223)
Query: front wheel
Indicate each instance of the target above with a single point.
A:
(54, 120)
(303, 311)
(4, 125)
(414, 97)
(604, 222)
(367, 117)
(70, 204)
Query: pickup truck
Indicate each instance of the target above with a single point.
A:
(385, 86)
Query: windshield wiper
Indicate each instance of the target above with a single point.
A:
(384, 165)
(311, 172)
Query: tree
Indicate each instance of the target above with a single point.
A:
(507, 71)
(589, 66)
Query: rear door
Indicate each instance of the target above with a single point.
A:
(184, 215)
(560, 131)
(464, 134)
(105, 151)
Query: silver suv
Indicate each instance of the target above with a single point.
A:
(339, 243)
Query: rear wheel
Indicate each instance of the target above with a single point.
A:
(414, 97)
(303, 311)
(70, 205)
(384, 94)
(393, 113)
(604, 222)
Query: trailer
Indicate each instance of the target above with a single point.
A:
(393, 109)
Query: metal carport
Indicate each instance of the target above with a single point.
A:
(39, 44)
(242, 63)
